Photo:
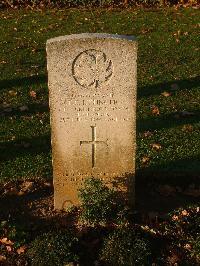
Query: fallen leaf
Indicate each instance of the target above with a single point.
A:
(145, 159)
(188, 246)
(166, 94)
(188, 128)
(12, 93)
(6, 241)
(2, 258)
(9, 248)
(11, 191)
(175, 218)
(47, 184)
(148, 134)
(184, 213)
(155, 110)
(32, 94)
(156, 146)
(27, 186)
(21, 250)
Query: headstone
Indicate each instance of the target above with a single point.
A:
(92, 86)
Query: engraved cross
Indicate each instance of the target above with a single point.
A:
(93, 142)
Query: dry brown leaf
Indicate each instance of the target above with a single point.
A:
(166, 94)
(148, 134)
(155, 110)
(188, 246)
(145, 159)
(12, 93)
(156, 146)
(32, 94)
(9, 248)
(2, 258)
(11, 191)
(6, 241)
(27, 186)
(21, 250)
(184, 213)
(175, 218)
(188, 128)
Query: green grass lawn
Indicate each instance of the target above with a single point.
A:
(168, 61)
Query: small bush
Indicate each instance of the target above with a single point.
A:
(124, 247)
(53, 249)
(100, 204)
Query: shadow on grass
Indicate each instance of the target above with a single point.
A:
(32, 109)
(157, 89)
(166, 121)
(166, 187)
(22, 147)
(144, 91)
(31, 213)
(25, 81)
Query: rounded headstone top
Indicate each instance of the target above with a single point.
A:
(92, 36)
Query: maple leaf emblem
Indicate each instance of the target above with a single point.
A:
(91, 68)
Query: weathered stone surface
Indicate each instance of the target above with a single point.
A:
(92, 86)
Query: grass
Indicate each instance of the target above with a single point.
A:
(168, 54)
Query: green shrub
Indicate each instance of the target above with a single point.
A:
(53, 249)
(124, 247)
(100, 204)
